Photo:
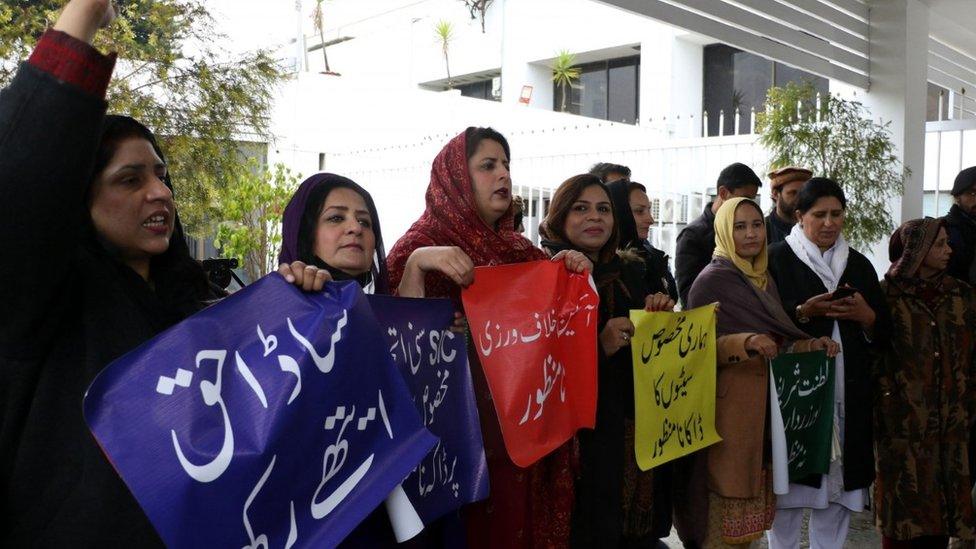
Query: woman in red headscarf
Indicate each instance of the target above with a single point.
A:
(469, 212)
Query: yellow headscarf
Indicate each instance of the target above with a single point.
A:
(755, 269)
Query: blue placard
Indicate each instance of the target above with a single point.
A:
(273, 418)
(434, 362)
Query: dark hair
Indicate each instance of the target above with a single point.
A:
(623, 216)
(473, 137)
(737, 175)
(310, 220)
(180, 282)
(817, 188)
(603, 169)
(554, 226)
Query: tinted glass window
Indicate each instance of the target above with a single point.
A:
(607, 90)
(479, 90)
(735, 79)
(593, 93)
(623, 93)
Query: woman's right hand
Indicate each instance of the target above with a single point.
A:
(616, 335)
(450, 261)
(818, 305)
(82, 18)
(658, 302)
(307, 277)
(763, 345)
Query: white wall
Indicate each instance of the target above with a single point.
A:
(393, 43)
(387, 145)
(376, 126)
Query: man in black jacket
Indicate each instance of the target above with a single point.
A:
(696, 242)
(786, 184)
(961, 225)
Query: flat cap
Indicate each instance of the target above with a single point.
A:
(782, 176)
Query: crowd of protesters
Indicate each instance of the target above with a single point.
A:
(97, 265)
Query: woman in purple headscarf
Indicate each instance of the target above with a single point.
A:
(331, 224)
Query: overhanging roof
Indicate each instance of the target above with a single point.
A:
(829, 38)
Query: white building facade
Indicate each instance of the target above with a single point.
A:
(650, 71)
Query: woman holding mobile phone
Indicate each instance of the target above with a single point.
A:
(831, 290)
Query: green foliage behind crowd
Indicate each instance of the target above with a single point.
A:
(173, 75)
(836, 138)
(250, 229)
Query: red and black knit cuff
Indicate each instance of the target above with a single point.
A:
(73, 61)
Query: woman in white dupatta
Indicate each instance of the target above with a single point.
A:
(831, 290)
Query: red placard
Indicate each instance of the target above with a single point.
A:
(533, 325)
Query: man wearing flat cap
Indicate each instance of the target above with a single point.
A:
(961, 226)
(786, 183)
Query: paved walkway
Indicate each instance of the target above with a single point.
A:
(862, 535)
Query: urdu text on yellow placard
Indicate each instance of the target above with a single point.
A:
(674, 384)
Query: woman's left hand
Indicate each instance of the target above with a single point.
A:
(658, 302)
(307, 277)
(575, 261)
(826, 344)
(854, 308)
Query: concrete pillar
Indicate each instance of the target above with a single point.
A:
(899, 75)
(518, 34)
(671, 83)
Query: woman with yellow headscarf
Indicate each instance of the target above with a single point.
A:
(751, 328)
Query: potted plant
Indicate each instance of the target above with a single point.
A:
(564, 73)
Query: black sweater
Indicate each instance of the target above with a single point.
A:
(796, 284)
(68, 310)
(693, 251)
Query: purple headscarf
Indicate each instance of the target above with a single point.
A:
(300, 220)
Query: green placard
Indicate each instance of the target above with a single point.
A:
(805, 389)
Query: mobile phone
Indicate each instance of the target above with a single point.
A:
(841, 293)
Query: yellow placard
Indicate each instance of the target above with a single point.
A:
(674, 384)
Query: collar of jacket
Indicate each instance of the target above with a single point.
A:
(913, 286)
(958, 214)
(775, 219)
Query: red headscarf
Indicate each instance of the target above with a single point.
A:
(451, 219)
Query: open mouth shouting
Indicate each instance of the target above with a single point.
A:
(158, 222)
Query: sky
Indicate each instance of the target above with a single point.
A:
(251, 24)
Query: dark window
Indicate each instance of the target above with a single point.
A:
(622, 91)
(478, 90)
(592, 90)
(607, 90)
(735, 79)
